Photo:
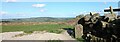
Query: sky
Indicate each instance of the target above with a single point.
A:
(23, 9)
(60, 0)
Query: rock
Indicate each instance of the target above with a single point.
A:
(78, 31)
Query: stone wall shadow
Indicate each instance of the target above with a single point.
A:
(70, 31)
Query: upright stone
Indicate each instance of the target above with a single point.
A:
(78, 31)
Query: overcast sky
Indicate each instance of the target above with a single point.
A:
(26, 9)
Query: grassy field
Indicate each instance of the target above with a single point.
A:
(55, 28)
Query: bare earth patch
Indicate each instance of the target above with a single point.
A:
(36, 36)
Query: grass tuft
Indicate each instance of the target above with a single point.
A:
(55, 31)
(28, 32)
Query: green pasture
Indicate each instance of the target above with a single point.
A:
(55, 28)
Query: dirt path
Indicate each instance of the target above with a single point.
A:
(36, 36)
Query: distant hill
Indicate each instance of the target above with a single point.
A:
(37, 19)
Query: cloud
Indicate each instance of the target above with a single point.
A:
(39, 5)
(3, 12)
(11, 0)
(105, 2)
(42, 10)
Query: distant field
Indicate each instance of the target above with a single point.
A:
(37, 19)
(56, 28)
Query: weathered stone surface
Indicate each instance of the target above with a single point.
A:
(95, 17)
(87, 17)
(111, 17)
(99, 28)
(104, 24)
(78, 31)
